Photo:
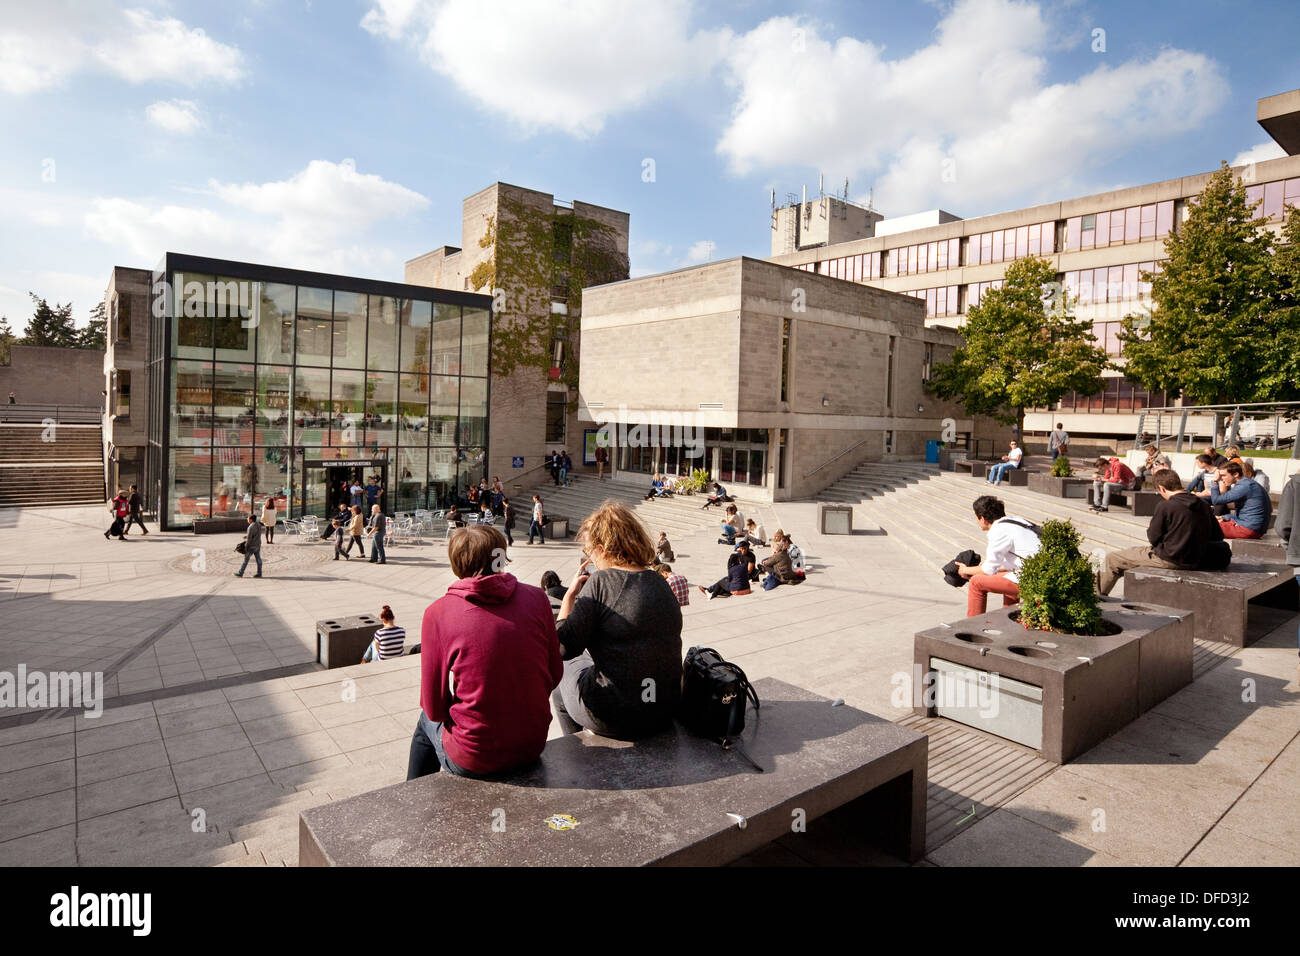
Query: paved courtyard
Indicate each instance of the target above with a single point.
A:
(219, 727)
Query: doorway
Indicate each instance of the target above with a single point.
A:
(326, 484)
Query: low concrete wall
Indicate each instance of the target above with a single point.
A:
(1279, 470)
(38, 375)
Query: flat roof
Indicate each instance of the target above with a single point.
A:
(1280, 117)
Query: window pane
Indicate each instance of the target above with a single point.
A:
(954, 253)
(1022, 241)
(1117, 226)
(997, 249)
(931, 296)
(272, 404)
(1103, 230)
(416, 319)
(1130, 282)
(349, 330)
(1149, 221)
(1087, 239)
(191, 403)
(381, 347)
(412, 408)
(232, 311)
(443, 409)
(473, 411)
(381, 409)
(275, 304)
(232, 401)
(923, 258)
(1254, 194)
(986, 247)
(941, 251)
(191, 318)
(1035, 243)
(891, 263)
(911, 260)
(1132, 224)
(315, 325)
(1291, 195)
(474, 347)
(189, 494)
(348, 409)
(941, 301)
(1072, 234)
(311, 388)
(1273, 199)
(1164, 217)
(933, 257)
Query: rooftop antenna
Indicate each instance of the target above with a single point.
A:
(774, 198)
(846, 188)
(820, 191)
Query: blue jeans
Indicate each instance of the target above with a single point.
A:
(535, 528)
(251, 554)
(429, 756)
(999, 471)
(377, 548)
(729, 533)
(369, 656)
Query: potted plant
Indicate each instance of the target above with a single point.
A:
(1057, 587)
(1061, 468)
(1060, 481)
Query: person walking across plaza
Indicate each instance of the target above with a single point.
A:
(1058, 441)
(119, 507)
(535, 526)
(135, 504)
(355, 529)
(508, 520)
(1010, 461)
(602, 456)
(378, 528)
(339, 534)
(1010, 541)
(1182, 532)
(252, 547)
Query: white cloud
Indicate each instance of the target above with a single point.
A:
(320, 218)
(968, 119)
(43, 44)
(701, 251)
(1258, 154)
(175, 116)
(554, 66)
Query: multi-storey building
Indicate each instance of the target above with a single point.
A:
(1100, 245)
(534, 255)
(126, 366)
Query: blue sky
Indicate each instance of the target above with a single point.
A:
(342, 136)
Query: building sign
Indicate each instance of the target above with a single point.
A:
(517, 461)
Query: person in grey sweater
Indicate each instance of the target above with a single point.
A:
(620, 630)
(252, 547)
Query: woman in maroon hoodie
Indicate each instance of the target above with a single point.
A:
(489, 659)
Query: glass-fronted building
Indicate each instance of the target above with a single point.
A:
(277, 382)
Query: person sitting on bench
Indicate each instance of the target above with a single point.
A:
(489, 660)
(1205, 471)
(1156, 461)
(1182, 532)
(1111, 475)
(1253, 505)
(1010, 461)
(1010, 541)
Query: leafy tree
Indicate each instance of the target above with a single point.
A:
(1216, 333)
(51, 326)
(1283, 347)
(95, 334)
(1019, 353)
(7, 338)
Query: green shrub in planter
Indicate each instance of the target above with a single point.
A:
(1057, 590)
(1061, 467)
(697, 482)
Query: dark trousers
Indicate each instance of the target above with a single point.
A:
(134, 519)
(377, 555)
(355, 539)
(117, 528)
(510, 538)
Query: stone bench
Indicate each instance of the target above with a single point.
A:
(220, 524)
(1236, 606)
(661, 801)
(1270, 549)
(976, 467)
(1048, 484)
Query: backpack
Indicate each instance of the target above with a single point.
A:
(715, 693)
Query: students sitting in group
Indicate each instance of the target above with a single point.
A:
(1233, 453)
(489, 661)
(1260, 478)
(1253, 505)
(755, 532)
(1204, 471)
(656, 487)
(620, 626)
(792, 549)
(1010, 461)
(664, 550)
(1182, 532)
(681, 588)
(746, 556)
(717, 497)
(733, 523)
(1010, 541)
(780, 570)
(1156, 460)
(390, 640)
(1111, 475)
(735, 582)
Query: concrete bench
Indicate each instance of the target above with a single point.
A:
(1270, 549)
(977, 468)
(666, 800)
(1237, 605)
(1018, 477)
(1048, 484)
(220, 524)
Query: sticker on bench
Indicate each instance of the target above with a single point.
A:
(561, 821)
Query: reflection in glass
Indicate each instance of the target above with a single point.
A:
(315, 322)
(349, 330)
(272, 404)
(381, 409)
(473, 411)
(474, 347)
(191, 403)
(189, 493)
(232, 403)
(381, 353)
(444, 407)
(275, 308)
(310, 410)
(413, 408)
(191, 320)
(230, 302)
(348, 410)
(416, 320)
(446, 339)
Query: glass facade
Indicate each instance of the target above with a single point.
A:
(275, 383)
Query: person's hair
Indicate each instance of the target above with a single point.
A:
(386, 614)
(663, 534)
(1232, 451)
(550, 580)
(336, 522)
(1248, 468)
(743, 543)
(1150, 448)
(356, 508)
(133, 487)
(730, 508)
(1205, 459)
(1167, 479)
(537, 497)
(1233, 468)
(1103, 461)
(989, 508)
(664, 568)
(1013, 441)
(251, 517)
(717, 484)
(749, 523)
(1060, 424)
(472, 551)
(617, 532)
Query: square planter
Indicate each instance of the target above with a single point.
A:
(342, 641)
(1071, 487)
(835, 519)
(1060, 694)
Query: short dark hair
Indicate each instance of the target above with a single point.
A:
(663, 568)
(251, 518)
(1205, 459)
(1167, 479)
(1103, 461)
(1233, 468)
(550, 579)
(989, 508)
(473, 551)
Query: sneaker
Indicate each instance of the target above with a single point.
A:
(105, 535)
(257, 575)
(709, 596)
(1101, 510)
(239, 574)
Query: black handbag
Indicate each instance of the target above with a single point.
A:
(715, 693)
(242, 547)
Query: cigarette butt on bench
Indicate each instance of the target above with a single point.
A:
(741, 822)
(838, 702)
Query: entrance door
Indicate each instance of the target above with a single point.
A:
(326, 484)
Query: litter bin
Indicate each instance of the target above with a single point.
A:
(932, 451)
(342, 641)
(835, 519)
(556, 527)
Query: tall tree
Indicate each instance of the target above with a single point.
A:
(1282, 379)
(1214, 324)
(51, 326)
(7, 338)
(95, 334)
(1019, 353)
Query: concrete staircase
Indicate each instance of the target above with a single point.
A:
(66, 471)
(929, 511)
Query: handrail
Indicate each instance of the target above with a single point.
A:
(837, 457)
(38, 412)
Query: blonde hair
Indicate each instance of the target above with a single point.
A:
(617, 532)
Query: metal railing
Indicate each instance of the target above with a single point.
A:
(836, 458)
(29, 413)
(1279, 412)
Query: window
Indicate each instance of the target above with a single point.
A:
(785, 360)
(1072, 228)
(927, 367)
(122, 309)
(1117, 226)
(1164, 217)
(557, 405)
(889, 374)
(1132, 224)
(123, 393)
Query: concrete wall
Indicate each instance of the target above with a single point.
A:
(38, 375)
(127, 304)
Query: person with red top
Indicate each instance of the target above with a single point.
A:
(1111, 475)
(490, 658)
(120, 508)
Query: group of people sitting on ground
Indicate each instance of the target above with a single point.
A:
(784, 566)
(660, 487)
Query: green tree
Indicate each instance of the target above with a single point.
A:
(1215, 325)
(51, 326)
(7, 338)
(1019, 353)
(95, 334)
(1283, 361)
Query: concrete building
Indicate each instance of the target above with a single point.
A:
(772, 379)
(535, 255)
(125, 376)
(39, 375)
(1098, 244)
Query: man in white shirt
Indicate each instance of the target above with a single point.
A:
(1058, 441)
(1010, 460)
(1010, 541)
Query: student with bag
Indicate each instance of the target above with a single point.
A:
(119, 508)
(1010, 541)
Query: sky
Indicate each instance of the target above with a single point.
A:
(342, 136)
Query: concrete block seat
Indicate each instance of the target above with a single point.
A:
(220, 524)
(1018, 477)
(667, 800)
(976, 467)
(1236, 606)
(1270, 549)
(1045, 483)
